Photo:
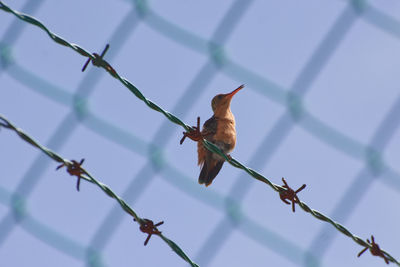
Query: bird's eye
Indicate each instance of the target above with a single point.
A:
(219, 96)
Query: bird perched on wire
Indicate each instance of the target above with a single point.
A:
(219, 130)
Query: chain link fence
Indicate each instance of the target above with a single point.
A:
(283, 117)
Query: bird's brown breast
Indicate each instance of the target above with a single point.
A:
(225, 134)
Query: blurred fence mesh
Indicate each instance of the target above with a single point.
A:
(235, 218)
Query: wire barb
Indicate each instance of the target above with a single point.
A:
(375, 250)
(194, 134)
(98, 61)
(74, 169)
(147, 226)
(290, 194)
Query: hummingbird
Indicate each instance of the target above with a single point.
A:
(219, 130)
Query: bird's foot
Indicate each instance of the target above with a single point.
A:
(194, 134)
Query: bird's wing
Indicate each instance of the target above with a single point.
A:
(209, 128)
(209, 163)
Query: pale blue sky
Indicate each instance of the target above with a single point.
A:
(320, 107)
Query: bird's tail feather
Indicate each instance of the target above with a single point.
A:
(208, 172)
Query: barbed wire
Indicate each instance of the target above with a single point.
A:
(75, 168)
(100, 62)
(175, 177)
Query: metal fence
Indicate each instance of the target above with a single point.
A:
(234, 217)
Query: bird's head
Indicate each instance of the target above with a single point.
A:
(223, 101)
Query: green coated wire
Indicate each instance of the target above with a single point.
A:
(101, 63)
(88, 177)
(172, 175)
(273, 91)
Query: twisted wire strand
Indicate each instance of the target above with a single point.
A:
(250, 228)
(102, 64)
(88, 177)
(105, 65)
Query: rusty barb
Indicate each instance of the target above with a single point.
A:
(194, 134)
(375, 250)
(148, 227)
(290, 194)
(74, 169)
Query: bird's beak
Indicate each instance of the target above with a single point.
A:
(231, 94)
